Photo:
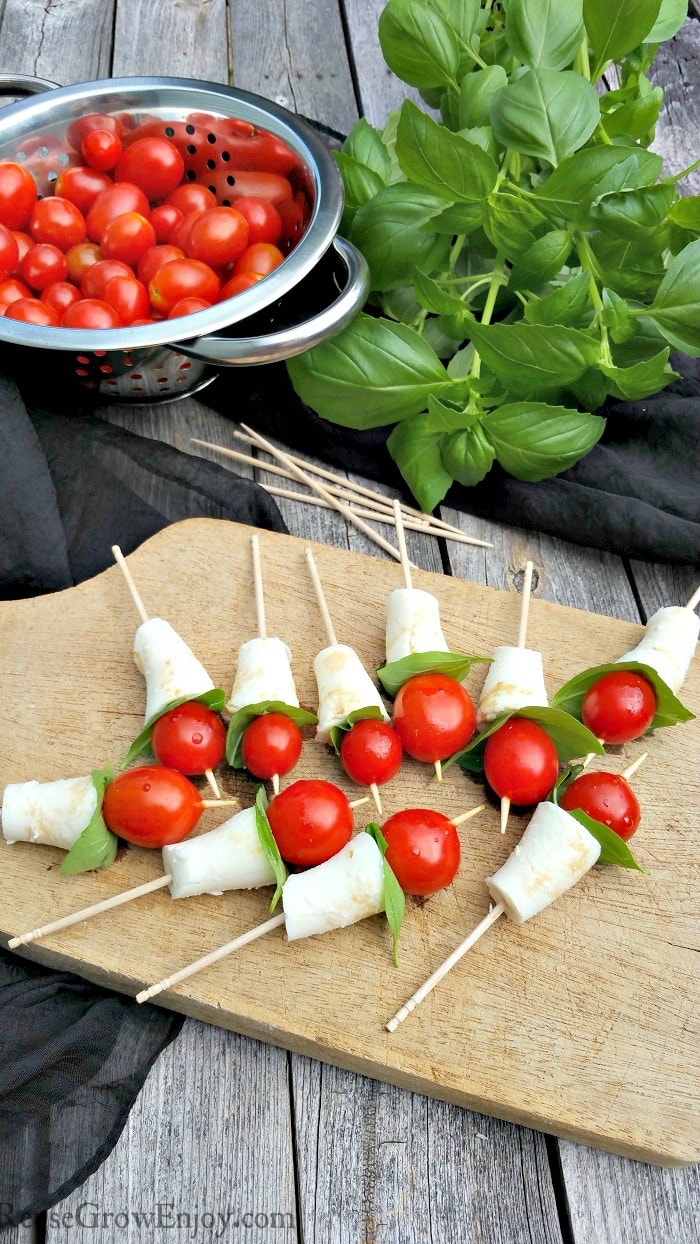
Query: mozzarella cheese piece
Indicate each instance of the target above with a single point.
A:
(169, 666)
(668, 644)
(552, 855)
(343, 687)
(412, 624)
(53, 813)
(515, 680)
(263, 672)
(346, 888)
(227, 858)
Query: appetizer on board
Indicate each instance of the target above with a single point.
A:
(67, 814)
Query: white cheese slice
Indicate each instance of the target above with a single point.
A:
(53, 813)
(343, 890)
(263, 672)
(169, 666)
(552, 855)
(412, 624)
(668, 644)
(343, 687)
(226, 858)
(515, 680)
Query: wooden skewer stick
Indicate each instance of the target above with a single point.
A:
(218, 803)
(403, 551)
(695, 599)
(374, 791)
(636, 764)
(213, 957)
(275, 783)
(355, 803)
(260, 612)
(444, 968)
(385, 518)
(467, 816)
(321, 599)
(522, 635)
(438, 770)
(86, 913)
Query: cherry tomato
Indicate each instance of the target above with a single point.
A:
(17, 195)
(242, 184)
(98, 274)
(115, 201)
(151, 806)
(423, 850)
(81, 257)
(292, 215)
(129, 298)
(57, 221)
(371, 752)
(164, 219)
(190, 738)
(127, 237)
(271, 744)
(607, 797)
(101, 149)
(32, 311)
(10, 291)
(261, 258)
(154, 164)
(310, 822)
(24, 244)
(9, 251)
(154, 258)
(433, 717)
(180, 235)
(188, 306)
(92, 121)
(182, 278)
(91, 313)
(237, 284)
(218, 237)
(60, 296)
(619, 707)
(520, 762)
(81, 186)
(191, 198)
(264, 221)
(43, 265)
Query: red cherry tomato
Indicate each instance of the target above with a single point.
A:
(310, 822)
(607, 797)
(243, 184)
(188, 306)
(520, 762)
(81, 186)
(129, 298)
(180, 235)
(32, 311)
(271, 744)
(371, 752)
(237, 284)
(261, 258)
(81, 257)
(164, 219)
(115, 201)
(191, 198)
(218, 237)
(190, 738)
(182, 278)
(154, 164)
(92, 121)
(57, 221)
(24, 244)
(17, 195)
(434, 717)
(127, 237)
(151, 806)
(91, 313)
(619, 707)
(10, 291)
(101, 149)
(60, 296)
(264, 221)
(43, 265)
(154, 258)
(98, 274)
(9, 251)
(423, 850)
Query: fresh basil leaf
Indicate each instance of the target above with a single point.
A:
(388, 230)
(641, 379)
(372, 373)
(481, 136)
(433, 297)
(394, 899)
(414, 445)
(365, 145)
(360, 184)
(443, 345)
(468, 455)
(511, 223)
(637, 118)
(671, 16)
(542, 261)
(533, 441)
(631, 213)
(546, 113)
(462, 16)
(477, 92)
(616, 29)
(418, 44)
(566, 777)
(460, 364)
(371, 713)
(244, 716)
(632, 268)
(616, 316)
(443, 162)
(591, 389)
(457, 218)
(669, 710)
(545, 33)
(569, 736)
(614, 849)
(676, 306)
(529, 358)
(456, 665)
(268, 845)
(584, 176)
(97, 846)
(567, 305)
(686, 213)
(645, 342)
(400, 304)
(141, 746)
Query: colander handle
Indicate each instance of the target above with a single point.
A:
(273, 347)
(23, 84)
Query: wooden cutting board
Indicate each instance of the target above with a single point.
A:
(582, 1022)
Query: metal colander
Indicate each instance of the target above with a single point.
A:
(270, 321)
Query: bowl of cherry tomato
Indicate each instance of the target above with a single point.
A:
(153, 230)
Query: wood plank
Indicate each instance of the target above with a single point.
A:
(677, 70)
(212, 1101)
(62, 42)
(185, 40)
(379, 89)
(614, 1201)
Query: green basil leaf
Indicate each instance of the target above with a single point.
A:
(443, 162)
(477, 92)
(433, 297)
(372, 373)
(460, 364)
(457, 218)
(371, 713)
(481, 136)
(641, 379)
(542, 261)
(244, 716)
(672, 14)
(141, 746)
(669, 710)
(592, 389)
(394, 898)
(632, 268)
(637, 118)
(97, 846)
(462, 16)
(414, 445)
(631, 213)
(546, 113)
(598, 170)
(568, 304)
(418, 44)
(360, 184)
(676, 307)
(268, 845)
(400, 304)
(616, 316)
(443, 345)
(569, 736)
(616, 29)
(456, 665)
(468, 455)
(686, 213)
(545, 33)
(365, 145)
(645, 342)
(534, 441)
(614, 849)
(566, 777)
(389, 232)
(510, 224)
(529, 358)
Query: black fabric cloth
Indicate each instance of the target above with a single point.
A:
(637, 493)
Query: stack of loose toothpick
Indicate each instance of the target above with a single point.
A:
(355, 502)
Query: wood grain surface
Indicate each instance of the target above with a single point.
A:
(580, 1022)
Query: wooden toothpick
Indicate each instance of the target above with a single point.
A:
(444, 968)
(401, 541)
(320, 598)
(258, 586)
(636, 764)
(86, 913)
(218, 803)
(214, 956)
(355, 803)
(695, 599)
(522, 636)
(467, 816)
(374, 791)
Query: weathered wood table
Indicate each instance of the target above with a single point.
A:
(286, 1147)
